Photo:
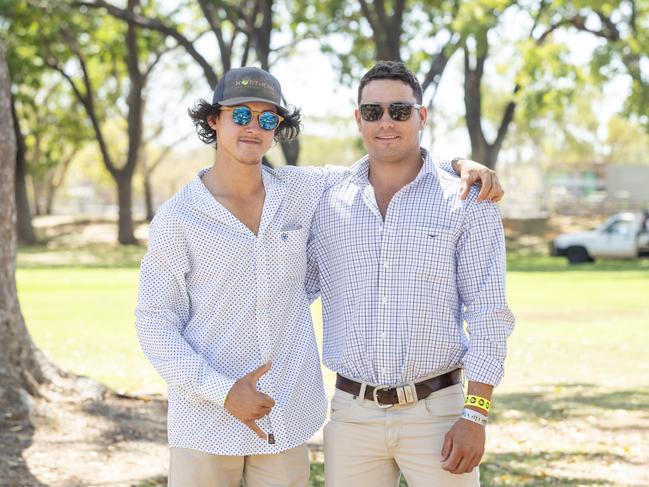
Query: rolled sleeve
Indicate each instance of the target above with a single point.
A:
(481, 286)
(163, 311)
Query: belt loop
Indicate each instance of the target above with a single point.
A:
(361, 394)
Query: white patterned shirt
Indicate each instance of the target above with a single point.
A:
(216, 302)
(395, 293)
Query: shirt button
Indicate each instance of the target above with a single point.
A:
(386, 264)
(384, 300)
(384, 335)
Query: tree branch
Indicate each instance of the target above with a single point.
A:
(159, 26)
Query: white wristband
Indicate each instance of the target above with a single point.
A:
(474, 416)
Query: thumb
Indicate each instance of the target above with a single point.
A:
(260, 371)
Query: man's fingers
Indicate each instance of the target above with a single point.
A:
(253, 426)
(464, 187)
(486, 186)
(453, 461)
(260, 371)
(446, 447)
(501, 193)
(465, 466)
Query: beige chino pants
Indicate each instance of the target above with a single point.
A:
(366, 446)
(192, 468)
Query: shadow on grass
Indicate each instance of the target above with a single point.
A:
(132, 419)
(16, 436)
(565, 401)
(525, 469)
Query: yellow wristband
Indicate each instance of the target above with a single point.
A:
(478, 402)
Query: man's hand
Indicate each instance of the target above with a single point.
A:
(472, 172)
(246, 403)
(463, 447)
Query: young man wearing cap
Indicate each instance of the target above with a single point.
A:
(401, 262)
(222, 311)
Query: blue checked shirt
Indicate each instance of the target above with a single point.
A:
(395, 293)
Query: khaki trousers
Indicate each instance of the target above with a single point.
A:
(192, 468)
(369, 446)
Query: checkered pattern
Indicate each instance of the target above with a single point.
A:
(395, 293)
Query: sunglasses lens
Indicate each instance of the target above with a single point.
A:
(241, 115)
(371, 112)
(400, 111)
(268, 120)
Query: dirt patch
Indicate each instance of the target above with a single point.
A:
(74, 441)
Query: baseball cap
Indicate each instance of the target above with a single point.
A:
(240, 85)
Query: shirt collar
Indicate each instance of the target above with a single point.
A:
(361, 168)
(204, 201)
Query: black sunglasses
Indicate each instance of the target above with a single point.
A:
(242, 115)
(398, 111)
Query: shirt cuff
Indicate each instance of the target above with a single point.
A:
(483, 369)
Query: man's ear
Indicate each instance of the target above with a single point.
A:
(423, 115)
(211, 121)
(357, 116)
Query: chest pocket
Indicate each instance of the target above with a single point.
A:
(431, 252)
(290, 253)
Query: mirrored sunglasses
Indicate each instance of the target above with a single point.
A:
(242, 115)
(398, 111)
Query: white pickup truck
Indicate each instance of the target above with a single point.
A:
(623, 236)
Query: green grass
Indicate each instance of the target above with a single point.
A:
(579, 352)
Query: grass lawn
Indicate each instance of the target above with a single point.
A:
(572, 410)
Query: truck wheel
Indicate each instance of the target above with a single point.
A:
(578, 255)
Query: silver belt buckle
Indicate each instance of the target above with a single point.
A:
(376, 398)
(406, 394)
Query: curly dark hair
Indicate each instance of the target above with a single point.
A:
(391, 70)
(288, 129)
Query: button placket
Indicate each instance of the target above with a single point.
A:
(385, 298)
(263, 299)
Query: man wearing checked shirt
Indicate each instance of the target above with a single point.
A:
(401, 262)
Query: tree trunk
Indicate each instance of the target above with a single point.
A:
(148, 199)
(54, 181)
(24, 226)
(20, 363)
(124, 198)
(146, 183)
(36, 195)
(481, 149)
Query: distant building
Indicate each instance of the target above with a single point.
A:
(597, 188)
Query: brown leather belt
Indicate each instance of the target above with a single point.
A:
(386, 396)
